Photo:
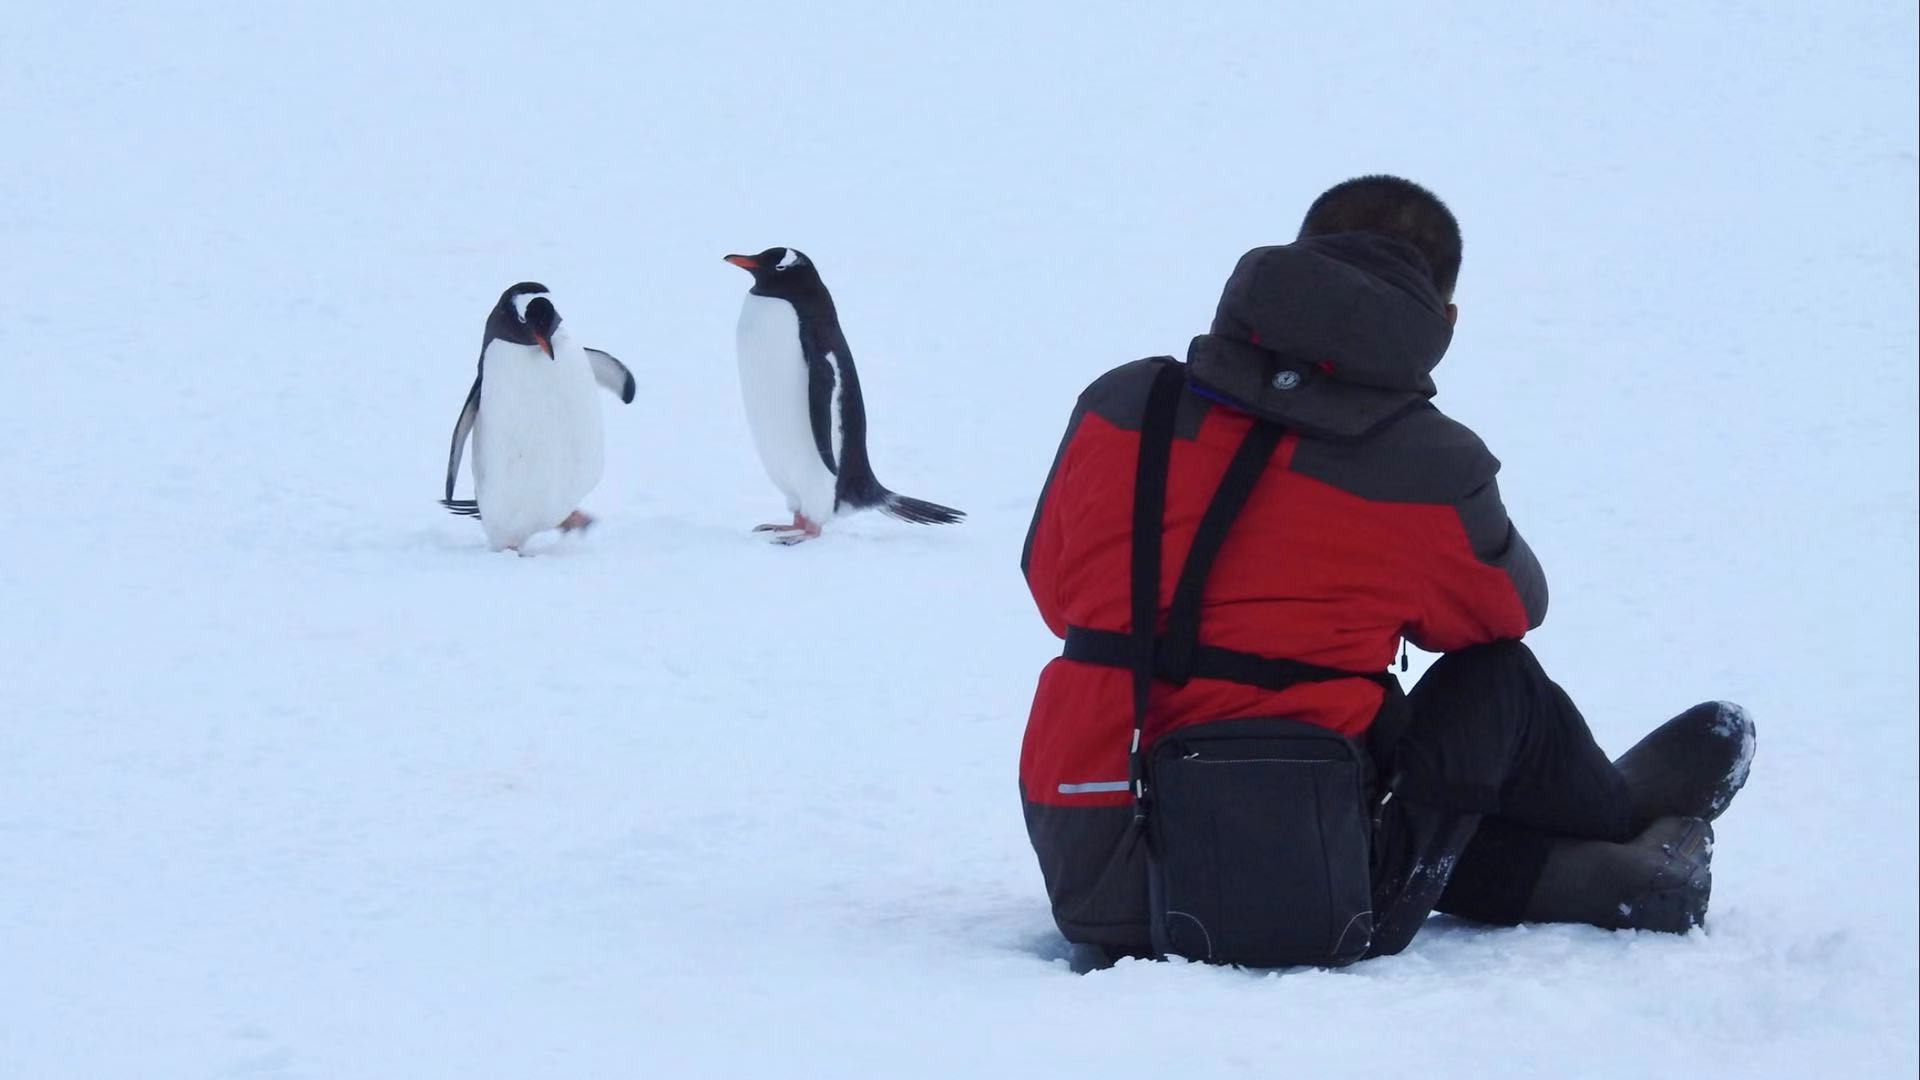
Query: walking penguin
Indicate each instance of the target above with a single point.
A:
(803, 401)
(534, 418)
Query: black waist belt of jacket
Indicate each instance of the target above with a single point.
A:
(1175, 653)
(1111, 648)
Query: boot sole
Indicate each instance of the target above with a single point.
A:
(1734, 731)
(1683, 906)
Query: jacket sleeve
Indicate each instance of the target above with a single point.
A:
(1483, 583)
(1040, 558)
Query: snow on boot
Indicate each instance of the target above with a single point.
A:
(1660, 880)
(1690, 766)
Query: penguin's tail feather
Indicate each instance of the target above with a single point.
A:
(920, 511)
(463, 507)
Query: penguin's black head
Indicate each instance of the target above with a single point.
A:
(780, 271)
(525, 315)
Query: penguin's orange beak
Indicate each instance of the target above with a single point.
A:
(744, 262)
(545, 345)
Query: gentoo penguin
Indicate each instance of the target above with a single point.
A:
(535, 422)
(803, 401)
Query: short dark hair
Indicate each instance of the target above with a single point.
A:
(1395, 207)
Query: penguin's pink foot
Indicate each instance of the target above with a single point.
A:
(576, 522)
(800, 529)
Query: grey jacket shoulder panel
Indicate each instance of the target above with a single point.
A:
(1120, 398)
(1497, 543)
(1426, 456)
(1119, 394)
(1422, 456)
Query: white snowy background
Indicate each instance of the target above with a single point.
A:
(297, 780)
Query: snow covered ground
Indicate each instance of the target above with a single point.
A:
(297, 780)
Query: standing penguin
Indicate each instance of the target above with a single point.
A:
(535, 422)
(803, 401)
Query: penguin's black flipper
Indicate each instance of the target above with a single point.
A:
(462, 428)
(612, 374)
(462, 507)
(920, 511)
(821, 377)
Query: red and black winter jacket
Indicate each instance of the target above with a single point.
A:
(1377, 518)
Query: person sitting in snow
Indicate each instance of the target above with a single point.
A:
(1307, 510)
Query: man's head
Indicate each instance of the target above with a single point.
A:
(1393, 207)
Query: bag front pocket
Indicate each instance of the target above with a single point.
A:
(1259, 845)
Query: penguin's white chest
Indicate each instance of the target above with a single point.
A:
(537, 445)
(773, 383)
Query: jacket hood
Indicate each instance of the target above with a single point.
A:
(1333, 335)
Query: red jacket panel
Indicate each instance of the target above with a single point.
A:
(1311, 571)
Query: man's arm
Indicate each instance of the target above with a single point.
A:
(1469, 577)
(1483, 582)
(1119, 398)
(1040, 557)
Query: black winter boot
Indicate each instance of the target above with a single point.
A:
(1083, 957)
(1690, 766)
(1660, 880)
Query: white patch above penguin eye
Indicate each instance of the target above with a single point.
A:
(520, 303)
(788, 260)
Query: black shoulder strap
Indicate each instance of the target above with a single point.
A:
(1172, 657)
(1183, 619)
(1149, 503)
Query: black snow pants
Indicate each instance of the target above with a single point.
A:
(1494, 764)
